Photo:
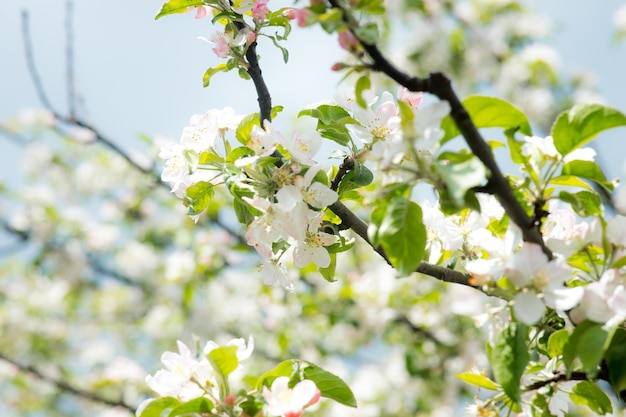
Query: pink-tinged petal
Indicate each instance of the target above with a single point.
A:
(304, 392)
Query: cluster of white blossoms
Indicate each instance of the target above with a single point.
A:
(186, 377)
(283, 190)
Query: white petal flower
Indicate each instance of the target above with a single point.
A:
(528, 307)
(284, 401)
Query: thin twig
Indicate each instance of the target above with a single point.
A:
(347, 217)
(72, 118)
(65, 386)
(69, 56)
(94, 263)
(30, 61)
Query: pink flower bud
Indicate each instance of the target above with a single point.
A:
(229, 400)
(338, 66)
(347, 41)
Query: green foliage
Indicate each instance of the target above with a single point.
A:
(579, 125)
(403, 235)
(202, 406)
(224, 361)
(478, 380)
(557, 342)
(362, 84)
(332, 121)
(588, 343)
(368, 33)
(330, 385)
(461, 172)
(584, 203)
(160, 407)
(206, 78)
(198, 196)
(587, 170)
(508, 358)
(177, 6)
(489, 112)
(587, 393)
(245, 127)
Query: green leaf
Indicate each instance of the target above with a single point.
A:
(362, 175)
(327, 113)
(245, 127)
(285, 368)
(588, 342)
(196, 406)
(588, 170)
(461, 177)
(403, 235)
(177, 6)
(329, 272)
(224, 361)
(206, 78)
(583, 122)
(198, 196)
(587, 393)
(158, 406)
(330, 385)
(557, 342)
(584, 203)
(368, 33)
(509, 357)
(616, 362)
(539, 406)
(362, 84)
(283, 50)
(478, 380)
(489, 112)
(569, 181)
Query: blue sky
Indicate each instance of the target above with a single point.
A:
(138, 75)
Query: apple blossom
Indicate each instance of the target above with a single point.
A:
(309, 241)
(283, 401)
(184, 377)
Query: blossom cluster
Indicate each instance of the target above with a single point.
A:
(188, 378)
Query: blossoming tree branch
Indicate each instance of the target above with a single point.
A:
(386, 228)
(565, 299)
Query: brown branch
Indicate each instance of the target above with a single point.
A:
(348, 218)
(346, 166)
(64, 386)
(558, 377)
(440, 86)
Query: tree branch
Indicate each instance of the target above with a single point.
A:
(558, 377)
(64, 386)
(440, 86)
(347, 217)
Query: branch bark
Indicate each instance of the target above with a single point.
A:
(439, 85)
(347, 217)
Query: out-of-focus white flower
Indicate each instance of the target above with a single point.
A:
(183, 377)
(619, 19)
